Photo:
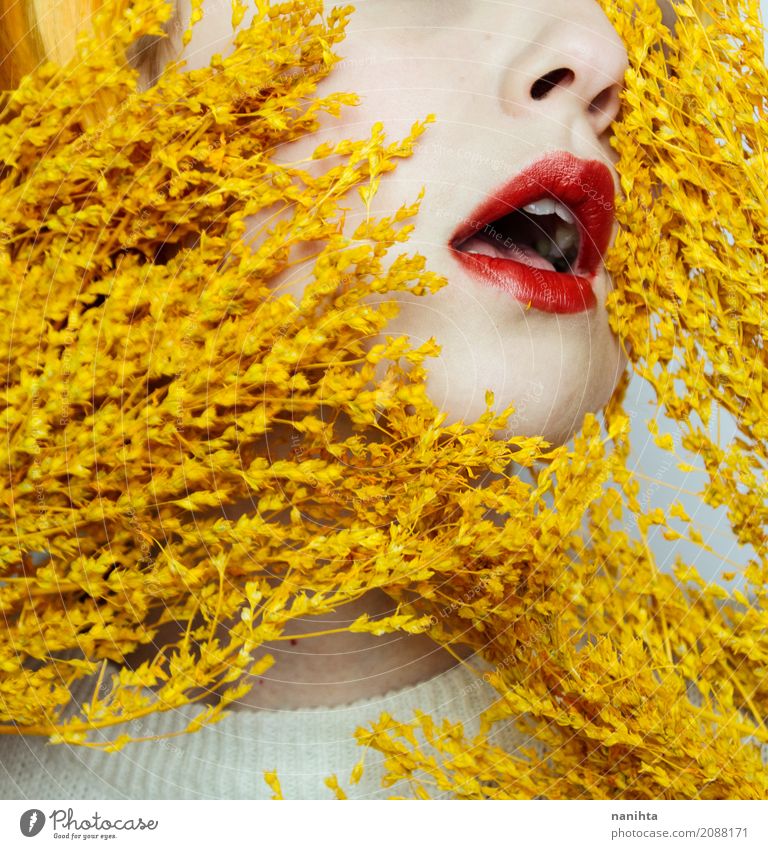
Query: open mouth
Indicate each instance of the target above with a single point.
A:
(543, 236)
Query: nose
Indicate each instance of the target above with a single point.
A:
(570, 67)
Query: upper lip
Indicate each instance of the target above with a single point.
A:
(586, 187)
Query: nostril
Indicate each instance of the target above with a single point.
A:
(543, 85)
(606, 101)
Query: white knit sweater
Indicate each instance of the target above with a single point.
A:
(227, 760)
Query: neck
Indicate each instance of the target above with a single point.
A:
(327, 669)
(314, 668)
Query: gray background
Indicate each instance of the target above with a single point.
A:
(669, 483)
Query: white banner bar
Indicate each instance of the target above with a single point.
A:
(408, 825)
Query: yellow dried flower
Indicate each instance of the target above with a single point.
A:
(138, 401)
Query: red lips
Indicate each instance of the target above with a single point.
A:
(586, 188)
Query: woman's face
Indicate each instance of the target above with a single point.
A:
(524, 92)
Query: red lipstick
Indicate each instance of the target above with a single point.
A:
(582, 193)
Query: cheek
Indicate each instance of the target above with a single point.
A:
(395, 190)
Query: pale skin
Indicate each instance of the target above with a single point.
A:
(473, 64)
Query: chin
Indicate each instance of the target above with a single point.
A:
(554, 412)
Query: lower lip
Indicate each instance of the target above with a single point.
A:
(548, 291)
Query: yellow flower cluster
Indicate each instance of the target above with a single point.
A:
(148, 363)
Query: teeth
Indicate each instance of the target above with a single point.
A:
(564, 213)
(565, 237)
(545, 206)
(549, 206)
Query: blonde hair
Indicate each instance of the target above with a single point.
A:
(35, 31)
